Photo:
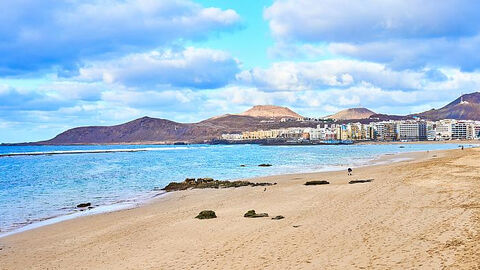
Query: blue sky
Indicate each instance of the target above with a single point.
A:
(101, 62)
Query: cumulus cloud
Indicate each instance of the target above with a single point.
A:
(341, 73)
(357, 21)
(408, 54)
(192, 67)
(404, 34)
(12, 99)
(41, 34)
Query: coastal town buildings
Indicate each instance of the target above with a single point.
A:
(402, 130)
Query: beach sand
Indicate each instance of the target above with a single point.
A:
(420, 214)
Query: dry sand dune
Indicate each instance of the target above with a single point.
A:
(420, 214)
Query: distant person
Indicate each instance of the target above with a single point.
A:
(349, 171)
(462, 147)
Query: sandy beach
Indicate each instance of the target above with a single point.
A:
(423, 213)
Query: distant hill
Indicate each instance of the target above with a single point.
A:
(353, 113)
(155, 130)
(466, 107)
(271, 111)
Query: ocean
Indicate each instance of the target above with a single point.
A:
(35, 189)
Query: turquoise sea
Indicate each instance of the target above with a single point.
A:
(37, 188)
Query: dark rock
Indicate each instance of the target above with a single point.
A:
(210, 183)
(252, 214)
(278, 217)
(360, 181)
(189, 180)
(90, 207)
(173, 186)
(264, 165)
(204, 180)
(243, 165)
(82, 205)
(206, 214)
(317, 182)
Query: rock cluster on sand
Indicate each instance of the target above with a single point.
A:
(317, 182)
(252, 214)
(278, 217)
(206, 214)
(210, 183)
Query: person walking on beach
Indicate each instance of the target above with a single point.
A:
(349, 171)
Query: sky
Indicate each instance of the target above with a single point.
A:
(74, 63)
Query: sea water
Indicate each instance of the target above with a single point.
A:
(36, 188)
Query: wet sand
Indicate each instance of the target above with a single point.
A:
(422, 213)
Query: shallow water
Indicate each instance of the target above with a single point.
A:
(33, 188)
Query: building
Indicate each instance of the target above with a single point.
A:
(411, 130)
(232, 137)
(386, 131)
(443, 129)
(463, 130)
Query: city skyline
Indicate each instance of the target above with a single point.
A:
(81, 63)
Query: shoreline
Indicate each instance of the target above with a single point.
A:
(420, 213)
(180, 143)
(150, 196)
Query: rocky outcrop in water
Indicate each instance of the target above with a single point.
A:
(191, 183)
(83, 205)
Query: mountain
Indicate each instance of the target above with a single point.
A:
(353, 113)
(271, 111)
(466, 107)
(155, 130)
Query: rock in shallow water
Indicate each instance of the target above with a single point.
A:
(264, 165)
(82, 205)
(206, 214)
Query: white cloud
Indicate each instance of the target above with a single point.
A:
(192, 67)
(300, 76)
(44, 34)
(357, 21)
(405, 34)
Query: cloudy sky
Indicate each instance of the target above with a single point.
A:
(101, 62)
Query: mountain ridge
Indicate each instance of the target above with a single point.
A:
(156, 130)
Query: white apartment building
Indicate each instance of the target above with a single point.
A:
(443, 129)
(463, 130)
(411, 130)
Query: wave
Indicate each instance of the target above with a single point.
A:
(92, 151)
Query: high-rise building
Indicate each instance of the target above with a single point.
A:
(412, 130)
